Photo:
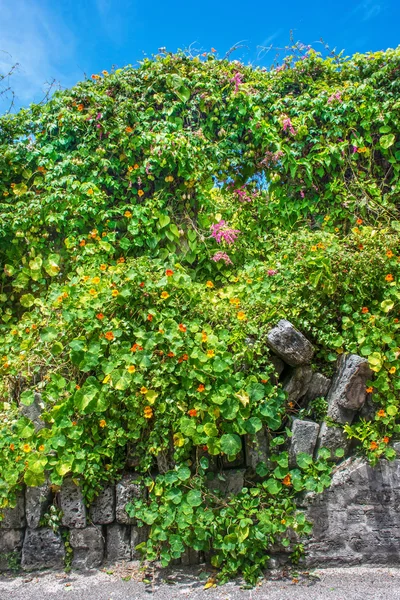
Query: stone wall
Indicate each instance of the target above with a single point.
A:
(356, 521)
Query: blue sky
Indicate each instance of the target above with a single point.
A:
(66, 39)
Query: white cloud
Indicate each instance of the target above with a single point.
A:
(367, 9)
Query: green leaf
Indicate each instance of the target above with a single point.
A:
(27, 398)
(27, 300)
(48, 334)
(273, 486)
(339, 453)
(253, 425)
(193, 498)
(231, 444)
(304, 460)
(387, 140)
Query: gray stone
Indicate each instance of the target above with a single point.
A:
(347, 393)
(296, 383)
(232, 482)
(34, 411)
(396, 447)
(191, 557)
(256, 448)
(127, 489)
(14, 518)
(164, 461)
(318, 388)
(88, 547)
(332, 438)
(118, 542)
(102, 510)
(289, 344)
(42, 549)
(10, 548)
(37, 502)
(304, 438)
(72, 505)
(278, 364)
(138, 536)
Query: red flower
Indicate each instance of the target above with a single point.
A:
(192, 412)
(201, 388)
(149, 317)
(169, 273)
(181, 327)
(141, 284)
(109, 335)
(100, 316)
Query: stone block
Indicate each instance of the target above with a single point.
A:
(118, 542)
(34, 411)
(72, 505)
(304, 439)
(332, 438)
(42, 549)
(347, 393)
(232, 482)
(289, 344)
(190, 557)
(297, 382)
(37, 502)
(256, 448)
(11, 541)
(138, 535)
(127, 489)
(102, 510)
(88, 547)
(318, 388)
(278, 365)
(14, 518)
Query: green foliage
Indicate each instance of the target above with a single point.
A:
(144, 333)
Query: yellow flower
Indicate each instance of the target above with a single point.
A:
(169, 178)
(102, 423)
(327, 218)
(140, 193)
(128, 214)
(103, 267)
(105, 72)
(93, 292)
(143, 390)
(130, 169)
(203, 336)
(26, 448)
(313, 248)
(392, 370)
(241, 315)
(96, 280)
(41, 448)
(164, 295)
(148, 412)
(210, 353)
(90, 192)
(235, 301)
(114, 293)
(209, 284)
(131, 368)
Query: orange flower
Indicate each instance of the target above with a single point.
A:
(12, 447)
(121, 260)
(360, 247)
(209, 284)
(136, 347)
(203, 336)
(80, 107)
(128, 129)
(103, 267)
(359, 221)
(99, 316)
(389, 254)
(26, 448)
(164, 295)
(386, 439)
(170, 354)
(183, 357)
(102, 423)
(286, 480)
(34, 326)
(90, 192)
(149, 317)
(210, 353)
(77, 387)
(213, 50)
(130, 169)
(141, 284)
(82, 243)
(27, 330)
(264, 380)
(95, 77)
(114, 293)
(235, 301)
(389, 277)
(41, 170)
(241, 315)
(381, 413)
(143, 390)
(92, 292)
(181, 327)
(41, 448)
(74, 423)
(169, 272)
(373, 446)
(131, 369)
(136, 166)
(140, 193)
(192, 412)
(369, 390)
(148, 412)
(109, 335)
(364, 310)
(394, 321)
(392, 370)
(105, 72)
(201, 388)
(128, 214)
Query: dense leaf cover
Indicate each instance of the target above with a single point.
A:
(154, 223)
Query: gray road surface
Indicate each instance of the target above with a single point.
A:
(359, 583)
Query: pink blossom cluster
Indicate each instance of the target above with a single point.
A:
(237, 80)
(271, 158)
(222, 256)
(220, 231)
(336, 96)
(287, 125)
(243, 195)
(271, 272)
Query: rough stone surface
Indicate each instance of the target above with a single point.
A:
(289, 344)
(42, 549)
(34, 411)
(318, 388)
(10, 547)
(297, 382)
(278, 364)
(256, 448)
(347, 393)
(332, 438)
(396, 447)
(138, 535)
(118, 542)
(72, 505)
(191, 557)
(356, 520)
(88, 547)
(127, 490)
(232, 484)
(304, 438)
(37, 502)
(102, 510)
(14, 518)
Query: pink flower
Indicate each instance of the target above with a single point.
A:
(336, 96)
(354, 149)
(302, 193)
(287, 125)
(220, 231)
(237, 80)
(271, 272)
(222, 256)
